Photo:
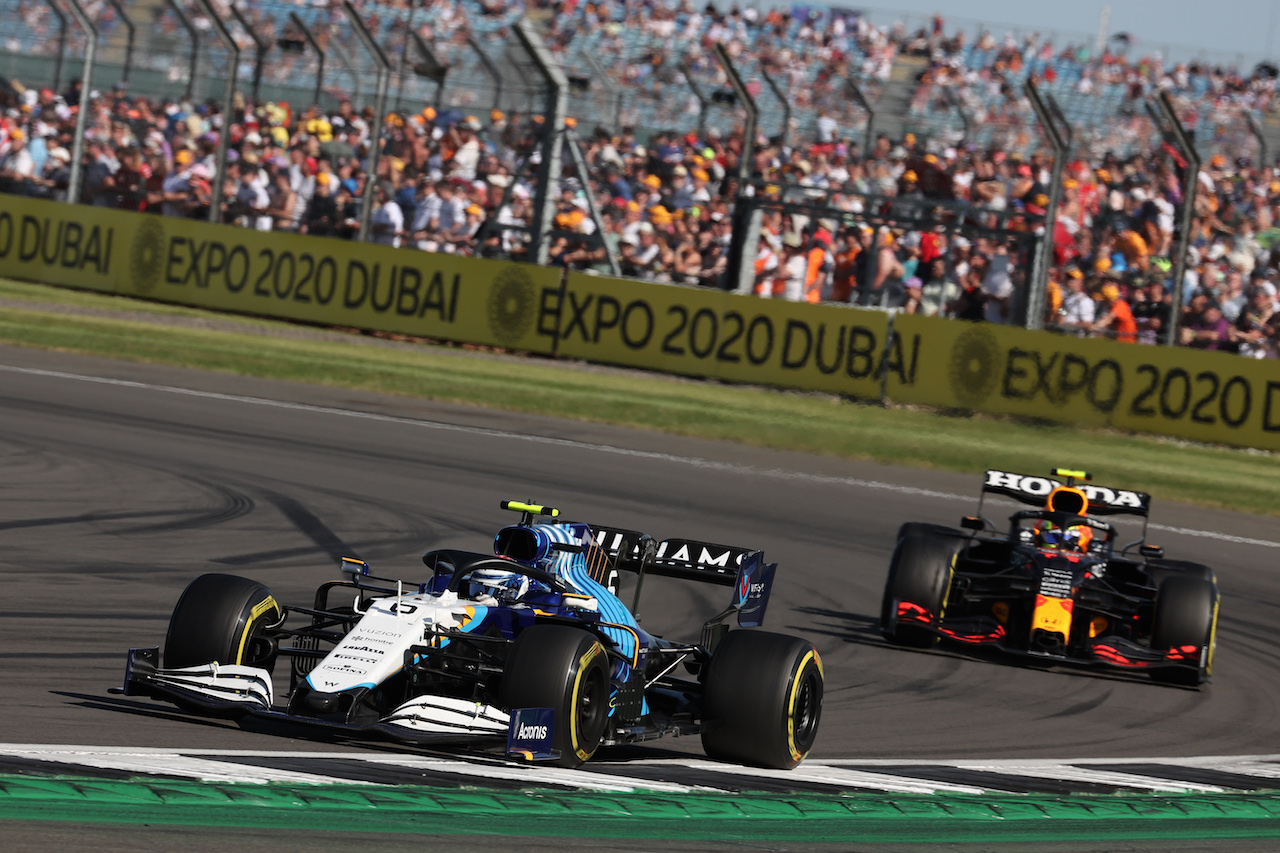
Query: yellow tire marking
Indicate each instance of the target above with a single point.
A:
(1213, 638)
(796, 756)
(261, 607)
(586, 659)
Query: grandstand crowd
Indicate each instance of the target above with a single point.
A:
(458, 181)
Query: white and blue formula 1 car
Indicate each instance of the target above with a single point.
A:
(530, 645)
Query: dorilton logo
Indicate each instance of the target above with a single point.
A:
(975, 359)
(146, 260)
(511, 308)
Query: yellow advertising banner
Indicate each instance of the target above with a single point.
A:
(700, 332)
(74, 245)
(1203, 396)
(289, 276)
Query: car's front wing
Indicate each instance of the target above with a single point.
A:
(240, 691)
(1111, 651)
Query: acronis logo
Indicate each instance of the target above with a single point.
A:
(526, 732)
(532, 732)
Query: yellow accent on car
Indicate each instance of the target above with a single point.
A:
(1053, 615)
(796, 755)
(1067, 472)
(261, 607)
(536, 509)
(583, 662)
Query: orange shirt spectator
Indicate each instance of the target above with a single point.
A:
(1117, 317)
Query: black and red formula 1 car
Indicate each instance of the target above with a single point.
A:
(1055, 586)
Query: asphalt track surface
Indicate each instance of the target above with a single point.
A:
(115, 494)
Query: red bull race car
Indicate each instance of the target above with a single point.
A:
(528, 646)
(1055, 586)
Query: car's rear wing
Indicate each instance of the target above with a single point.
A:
(1033, 491)
(690, 559)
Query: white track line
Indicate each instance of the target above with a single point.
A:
(220, 765)
(685, 461)
(202, 764)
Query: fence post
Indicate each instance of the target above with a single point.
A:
(697, 93)
(128, 47)
(1176, 135)
(433, 68)
(1060, 140)
(260, 50)
(786, 106)
(315, 45)
(855, 91)
(1256, 130)
(746, 227)
(228, 104)
(379, 110)
(490, 69)
(82, 114)
(194, 64)
(62, 44)
(544, 209)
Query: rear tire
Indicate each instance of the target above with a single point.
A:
(1186, 615)
(920, 574)
(762, 700)
(565, 669)
(221, 619)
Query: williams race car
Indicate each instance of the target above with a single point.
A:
(529, 645)
(1055, 586)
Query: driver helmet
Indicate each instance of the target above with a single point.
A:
(502, 587)
(1073, 537)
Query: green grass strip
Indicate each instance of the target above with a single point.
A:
(814, 423)
(694, 816)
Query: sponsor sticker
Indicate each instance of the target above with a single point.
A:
(532, 733)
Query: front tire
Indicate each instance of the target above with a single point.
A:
(762, 700)
(1186, 618)
(565, 669)
(919, 574)
(222, 619)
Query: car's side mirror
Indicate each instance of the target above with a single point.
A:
(1151, 551)
(971, 522)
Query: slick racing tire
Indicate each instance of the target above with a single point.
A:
(222, 618)
(762, 699)
(565, 669)
(920, 574)
(1186, 615)
(1159, 570)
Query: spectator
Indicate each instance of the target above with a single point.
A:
(321, 217)
(793, 268)
(18, 167)
(1117, 318)
(1151, 313)
(997, 286)
(1256, 329)
(1078, 308)
(1209, 330)
(386, 223)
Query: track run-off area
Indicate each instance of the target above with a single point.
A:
(120, 483)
